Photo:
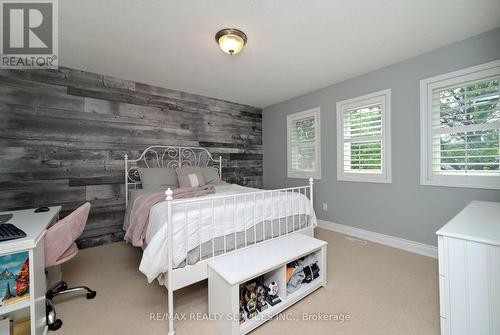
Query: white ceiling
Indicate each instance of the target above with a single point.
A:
(294, 46)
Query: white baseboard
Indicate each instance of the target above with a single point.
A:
(395, 242)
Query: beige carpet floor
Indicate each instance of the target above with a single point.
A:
(384, 290)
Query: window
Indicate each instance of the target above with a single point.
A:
(460, 126)
(364, 138)
(304, 144)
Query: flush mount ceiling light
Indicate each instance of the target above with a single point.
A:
(231, 40)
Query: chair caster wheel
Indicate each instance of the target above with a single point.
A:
(56, 325)
(91, 295)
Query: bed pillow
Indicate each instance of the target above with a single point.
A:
(190, 176)
(210, 175)
(158, 178)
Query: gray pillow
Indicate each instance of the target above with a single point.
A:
(158, 178)
(210, 175)
(189, 176)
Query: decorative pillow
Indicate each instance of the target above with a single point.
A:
(210, 175)
(190, 176)
(158, 178)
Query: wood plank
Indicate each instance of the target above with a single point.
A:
(77, 78)
(101, 192)
(100, 240)
(179, 95)
(70, 77)
(97, 180)
(42, 127)
(245, 156)
(42, 193)
(39, 98)
(63, 135)
(137, 99)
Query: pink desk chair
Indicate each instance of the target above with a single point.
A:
(60, 247)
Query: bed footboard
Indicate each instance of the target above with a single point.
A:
(227, 223)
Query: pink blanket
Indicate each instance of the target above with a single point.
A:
(139, 216)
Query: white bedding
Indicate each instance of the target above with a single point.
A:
(198, 226)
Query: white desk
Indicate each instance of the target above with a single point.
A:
(34, 225)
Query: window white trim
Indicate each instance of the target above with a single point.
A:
(382, 97)
(427, 177)
(314, 112)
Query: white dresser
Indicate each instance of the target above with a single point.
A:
(469, 271)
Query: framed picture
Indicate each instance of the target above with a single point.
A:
(14, 278)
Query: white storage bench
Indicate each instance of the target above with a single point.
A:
(267, 261)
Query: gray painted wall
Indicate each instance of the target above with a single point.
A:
(404, 208)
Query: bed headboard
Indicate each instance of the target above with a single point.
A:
(161, 156)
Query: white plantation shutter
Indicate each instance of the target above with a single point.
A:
(363, 137)
(362, 129)
(463, 129)
(303, 144)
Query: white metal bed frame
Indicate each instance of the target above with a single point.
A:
(172, 157)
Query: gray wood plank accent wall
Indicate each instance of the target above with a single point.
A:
(63, 135)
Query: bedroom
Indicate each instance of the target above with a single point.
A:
(349, 132)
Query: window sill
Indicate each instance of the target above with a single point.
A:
(470, 184)
(365, 179)
(304, 175)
